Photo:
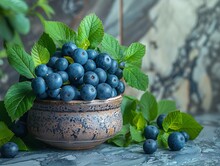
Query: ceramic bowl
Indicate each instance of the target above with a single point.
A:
(76, 124)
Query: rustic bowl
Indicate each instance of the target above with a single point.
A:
(75, 124)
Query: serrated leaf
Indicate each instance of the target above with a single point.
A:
(5, 134)
(4, 115)
(40, 55)
(136, 135)
(84, 44)
(6, 32)
(162, 139)
(139, 121)
(166, 106)
(148, 106)
(111, 46)
(19, 99)
(47, 42)
(134, 77)
(21, 61)
(17, 6)
(190, 125)
(134, 54)
(59, 32)
(20, 143)
(173, 121)
(91, 28)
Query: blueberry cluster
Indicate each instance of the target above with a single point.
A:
(176, 140)
(92, 76)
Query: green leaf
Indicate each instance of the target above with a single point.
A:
(91, 28)
(162, 139)
(20, 23)
(136, 135)
(84, 44)
(19, 99)
(14, 5)
(139, 121)
(59, 32)
(166, 106)
(5, 134)
(69, 59)
(47, 42)
(46, 7)
(40, 54)
(190, 125)
(4, 115)
(20, 143)
(122, 50)
(173, 121)
(21, 61)
(134, 77)
(111, 46)
(6, 32)
(134, 54)
(148, 106)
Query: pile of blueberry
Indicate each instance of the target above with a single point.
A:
(92, 75)
(176, 140)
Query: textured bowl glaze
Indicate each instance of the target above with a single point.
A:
(76, 124)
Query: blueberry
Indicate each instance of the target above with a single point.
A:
(91, 78)
(77, 93)
(61, 64)
(78, 82)
(151, 132)
(68, 48)
(38, 85)
(114, 67)
(64, 76)
(52, 61)
(90, 65)
(150, 146)
(103, 61)
(50, 70)
(75, 71)
(114, 92)
(9, 150)
(53, 93)
(119, 73)
(112, 80)
(176, 141)
(122, 65)
(186, 135)
(101, 74)
(57, 98)
(120, 88)
(67, 93)
(92, 54)
(42, 96)
(19, 129)
(80, 56)
(88, 92)
(41, 70)
(57, 54)
(160, 120)
(104, 91)
(54, 81)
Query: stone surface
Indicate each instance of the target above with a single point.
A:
(204, 150)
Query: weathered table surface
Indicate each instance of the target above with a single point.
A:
(205, 150)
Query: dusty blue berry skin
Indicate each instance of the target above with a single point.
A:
(80, 56)
(64, 76)
(54, 81)
(41, 70)
(101, 74)
(150, 146)
(91, 78)
(186, 135)
(61, 64)
(57, 54)
(114, 67)
(38, 85)
(90, 65)
(50, 70)
(122, 65)
(88, 92)
(114, 92)
(9, 150)
(75, 71)
(119, 73)
(57, 98)
(52, 61)
(176, 141)
(19, 129)
(92, 54)
(151, 132)
(67, 93)
(77, 83)
(53, 93)
(77, 93)
(120, 88)
(160, 120)
(42, 96)
(103, 61)
(112, 80)
(104, 91)
(68, 49)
